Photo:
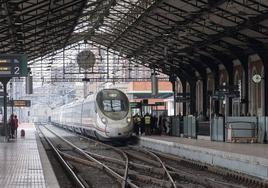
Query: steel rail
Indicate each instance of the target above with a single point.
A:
(105, 167)
(124, 185)
(206, 181)
(63, 162)
(137, 177)
(160, 161)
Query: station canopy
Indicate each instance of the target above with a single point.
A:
(182, 36)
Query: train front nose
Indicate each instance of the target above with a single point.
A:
(116, 131)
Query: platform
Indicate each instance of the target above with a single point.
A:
(23, 162)
(251, 159)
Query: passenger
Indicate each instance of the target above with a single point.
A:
(168, 126)
(137, 124)
(11, 123)
(154, 125)
(142, 126)
(159, 124)
(147, 123)
(164, 123)
(16, 125)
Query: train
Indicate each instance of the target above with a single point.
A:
(105, 115)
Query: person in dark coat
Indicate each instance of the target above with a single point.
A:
(154, 125)
(137, 123)
(16, 125)
(12, 125)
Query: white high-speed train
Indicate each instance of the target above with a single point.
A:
(105, 115)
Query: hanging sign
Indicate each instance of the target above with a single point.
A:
(13, 65)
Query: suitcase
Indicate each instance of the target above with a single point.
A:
(22, 133)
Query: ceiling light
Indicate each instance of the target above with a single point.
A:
(19, 31)
(17, 21)
(3, 11)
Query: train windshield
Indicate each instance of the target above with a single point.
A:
(113, 103)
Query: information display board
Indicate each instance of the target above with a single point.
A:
(159, 103)
(13, 65)
(19, 103)
(135, 104)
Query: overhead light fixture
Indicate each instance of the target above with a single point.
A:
(19, 31)
(3, 12)
(18, 44)
(18, 21)
(19, 40)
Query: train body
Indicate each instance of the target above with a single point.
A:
(105, 115)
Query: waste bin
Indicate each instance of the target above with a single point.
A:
(217, 129)
(189, 126)
(175, 128)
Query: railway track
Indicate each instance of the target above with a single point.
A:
(85, 170)
(133, 166)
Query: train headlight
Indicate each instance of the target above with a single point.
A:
(103, 120)
(128, 119)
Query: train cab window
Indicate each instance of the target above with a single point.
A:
(113, 105)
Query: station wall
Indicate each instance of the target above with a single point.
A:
(255, 91)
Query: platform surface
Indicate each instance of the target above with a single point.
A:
(257, 150)
(20, 161)
(251, 159)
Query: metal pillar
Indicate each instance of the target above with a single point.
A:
(231, 83)
(216, 84)
(4, 82)
(265, 64)
(246, 81)
(205, 97)
(264, 58)
(183, 83)
(174, 96)
(193, 98)
(266, 90)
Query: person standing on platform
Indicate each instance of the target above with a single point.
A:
(12, 126)
(16, 125)
(159, 124)
(164, 123)
(147, 123)
(154, 125)
(137, 124)
(142, 125)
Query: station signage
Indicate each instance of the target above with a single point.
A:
(159, 103)
(135, 104)
(183, 99)
(19, 103)
(13, 65)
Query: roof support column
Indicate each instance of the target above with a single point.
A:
(230, 70)
(183, 83)
(266, 87)
(264, 58)
(216, 85)
(228, 64)
(244, 62)
(193, 98)
(205, 97)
